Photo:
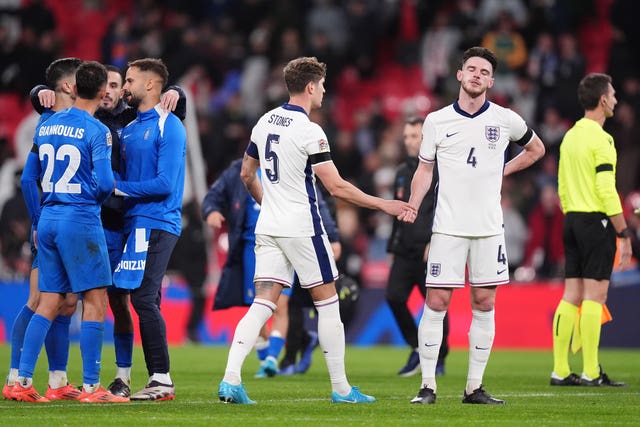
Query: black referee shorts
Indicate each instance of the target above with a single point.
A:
(589, 245)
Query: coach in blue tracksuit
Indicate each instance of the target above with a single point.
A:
(228, 196)
(152, 149)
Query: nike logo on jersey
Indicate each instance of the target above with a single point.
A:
(482, 348)
(430, 345)
(451, 134)
(501, 271)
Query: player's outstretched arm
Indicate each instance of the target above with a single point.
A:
(338, 187)
(531, 153)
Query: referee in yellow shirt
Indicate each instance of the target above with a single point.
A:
(593, 219)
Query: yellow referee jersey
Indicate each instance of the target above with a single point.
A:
(587, 170)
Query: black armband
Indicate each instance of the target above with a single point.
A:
(325, 156)
(626, 233)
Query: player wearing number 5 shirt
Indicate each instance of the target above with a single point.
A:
(468, 139)
(72, 158)
(290, 151)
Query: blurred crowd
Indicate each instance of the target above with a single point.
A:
(387, 60)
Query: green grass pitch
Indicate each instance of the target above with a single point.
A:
(519, 377)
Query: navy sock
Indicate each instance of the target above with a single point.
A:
(123, 344)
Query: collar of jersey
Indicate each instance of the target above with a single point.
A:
(148, 114)
(292, 107)
(460, 111)
(584, 121)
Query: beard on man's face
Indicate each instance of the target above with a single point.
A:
(132, 100)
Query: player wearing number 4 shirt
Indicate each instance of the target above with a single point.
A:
(72, 153)
(290, 151)
(468, 139)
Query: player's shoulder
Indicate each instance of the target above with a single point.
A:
(500, 111)
(441, 114)
(95, 125)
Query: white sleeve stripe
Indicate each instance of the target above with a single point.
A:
(424, 159)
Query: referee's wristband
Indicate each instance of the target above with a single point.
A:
(624, 233)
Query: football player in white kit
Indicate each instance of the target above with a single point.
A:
(468, 139)
(291, 151)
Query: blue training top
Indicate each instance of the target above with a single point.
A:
(153, 149)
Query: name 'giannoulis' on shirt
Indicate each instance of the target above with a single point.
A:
(69, 131)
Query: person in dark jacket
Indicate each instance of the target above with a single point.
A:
(228, 200)
(409, 246)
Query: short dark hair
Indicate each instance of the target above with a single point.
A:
(59, 69)
(114, 69)
(481, 52)
(155, 65)
(299, 72)
(591, 88)
(91, 77)
(414, 120)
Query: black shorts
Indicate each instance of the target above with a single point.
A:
(589, 245)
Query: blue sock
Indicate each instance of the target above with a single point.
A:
(91, 335)
(17, 335)
(123, 344)
(275, 346)
(262, 353)
(57, 343)
(33, 340)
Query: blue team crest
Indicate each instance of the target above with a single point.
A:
(434, 269)
(492, 133)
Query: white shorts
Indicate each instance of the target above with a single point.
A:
(485, 257)
(277, 258)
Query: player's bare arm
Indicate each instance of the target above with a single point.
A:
(420, 185)
(338, 187)
(250, 178)
(531, 153)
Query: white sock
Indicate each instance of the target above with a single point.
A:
(261, 343)
(24, 382)
(58, 379)
(245, 337)
(124, 374)
(331, 337)
(13, 376)
(430, 333)
(90, 388)
(481, 333)
(161, 378)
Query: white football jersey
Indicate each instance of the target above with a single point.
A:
(470, 151)
(285, 138)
